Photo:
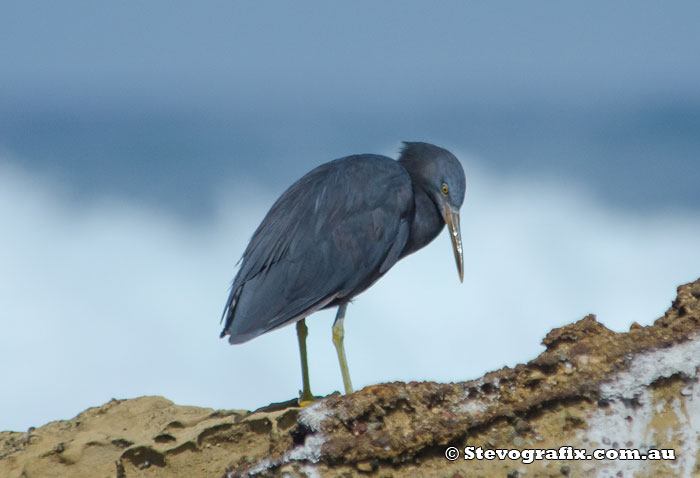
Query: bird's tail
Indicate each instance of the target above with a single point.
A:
(230, 309)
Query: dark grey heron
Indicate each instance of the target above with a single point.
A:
(335, 232)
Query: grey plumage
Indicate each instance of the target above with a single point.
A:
(337, 230)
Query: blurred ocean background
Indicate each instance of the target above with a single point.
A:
(142, 142)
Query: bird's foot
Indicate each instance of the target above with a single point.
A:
(306, 398)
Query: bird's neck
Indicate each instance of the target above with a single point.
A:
(427, 222)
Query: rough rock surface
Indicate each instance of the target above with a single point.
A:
(591, 388)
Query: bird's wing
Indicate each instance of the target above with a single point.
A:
(329, 236)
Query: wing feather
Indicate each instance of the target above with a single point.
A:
(327, 238)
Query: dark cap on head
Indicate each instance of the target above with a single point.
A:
(434, 166)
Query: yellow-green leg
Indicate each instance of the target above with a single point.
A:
(338, 334)
(306, 396)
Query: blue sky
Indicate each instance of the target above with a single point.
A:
(141, 144)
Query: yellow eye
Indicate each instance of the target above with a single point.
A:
(444, 189)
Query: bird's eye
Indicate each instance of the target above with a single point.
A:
(445, 190)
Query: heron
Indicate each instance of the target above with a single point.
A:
(334, 233)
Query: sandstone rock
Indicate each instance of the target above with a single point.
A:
(591, 388)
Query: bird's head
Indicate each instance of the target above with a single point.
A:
(441, 176)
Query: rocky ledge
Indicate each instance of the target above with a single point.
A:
(591, 389)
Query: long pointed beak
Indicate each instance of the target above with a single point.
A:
(452, 220)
